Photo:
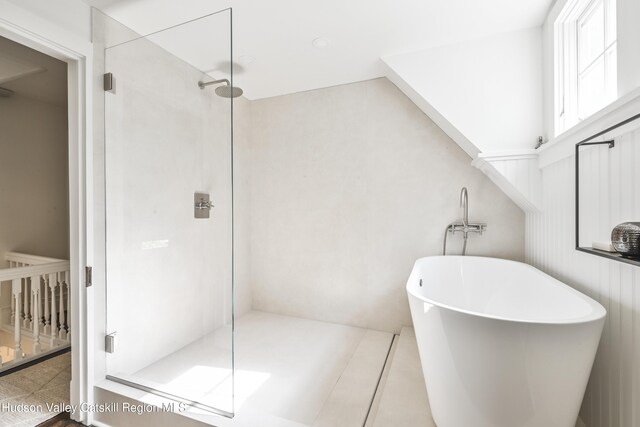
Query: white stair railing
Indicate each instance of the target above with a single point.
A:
(40, 299)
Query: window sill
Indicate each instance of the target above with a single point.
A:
(563, 145)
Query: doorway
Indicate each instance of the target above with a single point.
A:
(35, 279)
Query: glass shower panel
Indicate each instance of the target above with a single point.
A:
(169, 213)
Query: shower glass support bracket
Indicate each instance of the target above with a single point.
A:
(109, 83)
(611, 144)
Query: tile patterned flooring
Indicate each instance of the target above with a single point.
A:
(288, 369)
(403, 400)
(404, 388)
(37, 385)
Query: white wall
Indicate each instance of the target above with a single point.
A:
(349, 186)
(489, 89)
(242, 205)
(34, 213)
(34, 190)
(72, 15)
(610, 195)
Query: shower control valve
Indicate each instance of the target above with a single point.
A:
(201, 205)
(204, 205)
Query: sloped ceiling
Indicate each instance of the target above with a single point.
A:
(278, 34)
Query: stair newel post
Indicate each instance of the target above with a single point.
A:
(16, 289)
(35, 290)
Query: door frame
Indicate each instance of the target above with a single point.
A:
(33, 31)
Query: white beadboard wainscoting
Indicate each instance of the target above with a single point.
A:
(609, 194)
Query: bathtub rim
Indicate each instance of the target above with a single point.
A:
(598, 312)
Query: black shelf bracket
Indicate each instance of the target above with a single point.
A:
(611, 143)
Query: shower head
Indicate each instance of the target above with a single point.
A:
(226, 91)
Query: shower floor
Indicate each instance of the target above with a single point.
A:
(292, 371)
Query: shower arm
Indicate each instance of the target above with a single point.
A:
(202, 84)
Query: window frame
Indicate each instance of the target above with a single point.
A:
(567, 104)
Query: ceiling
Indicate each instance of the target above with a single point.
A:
(32, 74)
(278, 34)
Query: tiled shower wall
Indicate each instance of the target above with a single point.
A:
(349, 185)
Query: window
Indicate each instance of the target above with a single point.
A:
(586, 60)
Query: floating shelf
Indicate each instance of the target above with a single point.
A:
(611, 255)
(611, 144)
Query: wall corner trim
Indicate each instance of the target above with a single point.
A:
(517, 174)
(469, 147)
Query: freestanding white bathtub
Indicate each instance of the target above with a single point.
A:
(501, 343)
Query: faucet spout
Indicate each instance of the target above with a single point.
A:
(463, 226)
(464, 204)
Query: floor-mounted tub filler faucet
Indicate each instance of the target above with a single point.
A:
(464, 225)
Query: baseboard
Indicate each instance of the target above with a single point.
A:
(30, 361)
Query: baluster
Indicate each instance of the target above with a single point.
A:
(13, 310)
(23, 313)
(23, 291)
(46, 323)
(40, 301)
(52, 286)
(35, 290)
(32, 311)
(16, 290)
(67, 315)
(13, 302)
(29, 297)
(61, 312)
(12, 264)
